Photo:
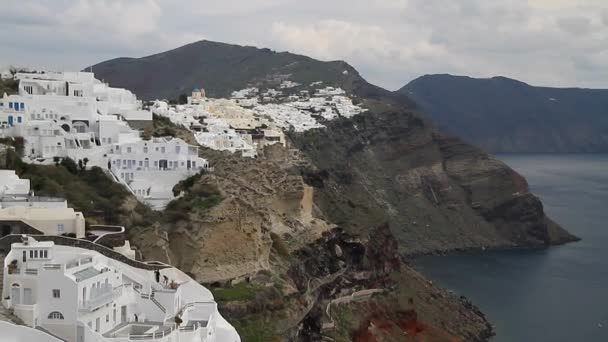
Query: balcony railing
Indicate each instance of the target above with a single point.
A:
(31, 271)
(52, 266)
(96, 302)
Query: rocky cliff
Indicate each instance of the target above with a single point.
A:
(437, 193)
(504, 115)
(298, 243)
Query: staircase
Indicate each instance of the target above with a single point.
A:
(153, 300)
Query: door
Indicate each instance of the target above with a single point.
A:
(189, 165)
(16, 295)
(28, 298)
(162, 164)
(123, 314)
(97, 324)
(80, 333)
(10, 120)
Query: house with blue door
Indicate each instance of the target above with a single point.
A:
(12, 111)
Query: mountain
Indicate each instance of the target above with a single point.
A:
(502, 115)
(219, 68)
(301, 229)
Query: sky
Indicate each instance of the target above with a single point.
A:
(562, 43)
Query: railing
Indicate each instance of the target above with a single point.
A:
(80, 262)
(96, 302)
(153, 300)
(152, 336)
(31, 271)
(52, 266)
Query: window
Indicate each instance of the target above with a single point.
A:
(162, 149)
(128, 150)
(22, 106)
(19, 119)
(56, 293)
(107, 318)
(60, 228)
(177, 149)
(146, 149)
(10, 105)
(35, 254)
(31, 253)
(55, 315)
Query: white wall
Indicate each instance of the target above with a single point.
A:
(18, 333)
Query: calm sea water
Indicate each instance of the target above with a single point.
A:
(558, 294)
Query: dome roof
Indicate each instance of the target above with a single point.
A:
(196, 90)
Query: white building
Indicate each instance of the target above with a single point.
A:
(150, 169)
(59, 114)
(47, 221)
(15, 192)
(198, 96)
(81, 295)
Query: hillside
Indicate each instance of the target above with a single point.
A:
(502, 115)
(219, 68)
(281, 238)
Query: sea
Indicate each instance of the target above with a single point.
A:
(555, 294)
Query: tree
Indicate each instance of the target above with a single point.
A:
(69, 165)
(183, 99)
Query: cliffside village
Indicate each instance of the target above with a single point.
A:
(59, 280)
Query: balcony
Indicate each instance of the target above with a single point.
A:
(96, 302)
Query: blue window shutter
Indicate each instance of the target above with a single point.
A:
(22, 106)
(10, 105)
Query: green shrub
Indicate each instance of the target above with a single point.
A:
(238, 292)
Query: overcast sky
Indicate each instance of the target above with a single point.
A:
(391, 42)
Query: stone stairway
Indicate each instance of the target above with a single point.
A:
(5, 314)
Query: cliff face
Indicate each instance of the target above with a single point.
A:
(503, 115)
(437, 193)
(299, 243)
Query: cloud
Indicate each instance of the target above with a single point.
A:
(547, 42)
(575, 25)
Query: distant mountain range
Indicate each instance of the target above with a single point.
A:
(505, 115)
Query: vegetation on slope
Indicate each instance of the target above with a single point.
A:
(90, 191)
(8, 86)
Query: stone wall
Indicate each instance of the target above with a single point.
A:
(5, 244)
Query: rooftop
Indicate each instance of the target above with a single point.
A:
(87, 273)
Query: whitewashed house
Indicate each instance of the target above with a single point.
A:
(41, 220)
(16, 192)
(83, 296)
(61, 114)
(150, 169)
